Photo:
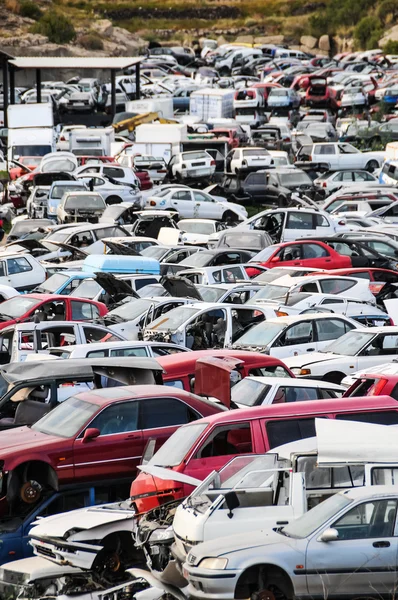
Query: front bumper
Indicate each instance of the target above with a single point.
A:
(208, 584)
(74, 554)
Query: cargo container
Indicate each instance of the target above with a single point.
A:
(212, 103)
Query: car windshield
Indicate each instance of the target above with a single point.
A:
(295, 178)
(350, 344)
(18, 306)
(88, 202)
(53, 283)
(88, 288)
(59, 190)
(261, 334)
(211, 293)
(174, 318)
(265, 254)
(316, 517)
(271, 292)
(155, 251)
(131, 309)
(196, 227)
(67, 419)
(249, 392)
(177, 446)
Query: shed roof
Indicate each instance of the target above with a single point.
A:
(72, 62)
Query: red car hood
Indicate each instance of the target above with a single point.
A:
(25, 439)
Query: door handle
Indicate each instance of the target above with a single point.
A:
(297, 263)
(133, 436)
(328, 260)
(310, 349)
(382, 544)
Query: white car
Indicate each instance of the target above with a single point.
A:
(330, 182)
(355, 96)
(346, 287)
(248, 159)
(112, 193)
(257, 391)
(362, 348)
(196, 164)
(117, 348)
(215, 275)
(300, 303)
(155, 166)
(232, 293)
(123, 174)
(197, 231)
(20, 270)
(280, 158)
(290, 224)
(80, 206)
(389, 368)
(283, 337)
(191, 203)
(341, 155)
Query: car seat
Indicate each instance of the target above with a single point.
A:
(59, 312)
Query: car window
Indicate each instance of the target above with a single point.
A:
(227, 440)
(385, 417)
(292, 252)
(321, 221)
(300, 333)
(299, 220)
(84, 311)
(80, 240)
(382, 248)
(335, 286)
(289, 430)
(165, 412)
(182, 195)
(314, 251)
(98, 354)
(2, 268)
(325, 150)
(382, 345)
(18, 265)
(331, 329)
(114, 172)
(118, 418)
(201, 197)
(368, 520)
(129, 352)
(65, 502)
(295, 394)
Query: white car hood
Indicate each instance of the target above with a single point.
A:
(195, 238)
(169, 474)
(85, 518)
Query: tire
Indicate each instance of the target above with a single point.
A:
(372, 166)
(333, 377)
(228, 216)
(113, 200)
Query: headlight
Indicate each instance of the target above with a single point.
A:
(213, 563)
(52, 209)
(296, 370)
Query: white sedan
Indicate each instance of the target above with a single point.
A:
(112, 193)
(194, 204)
(248, 159)
(359, 349)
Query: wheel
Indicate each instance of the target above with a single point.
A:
(272, 592)
(30, 491)
(372, 166)
(228, 216)
(113, 200)
(334, 377)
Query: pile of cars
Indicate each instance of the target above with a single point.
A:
(198, 333)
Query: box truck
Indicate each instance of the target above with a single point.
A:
(212, 104)
(92, 141)
(163, 105)
(30, 130)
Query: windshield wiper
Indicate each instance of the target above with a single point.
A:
(4, 317)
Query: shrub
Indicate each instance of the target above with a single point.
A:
(387, 11)
(367, 32)
(91, 41)
(13, 6)
(57, 27)
(30, 9)
(391, 47)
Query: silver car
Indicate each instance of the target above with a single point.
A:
(344, 547)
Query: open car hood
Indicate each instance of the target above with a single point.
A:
(116, 288)
(48, 178)
(180, 287)
(121, 249)
(76, 253)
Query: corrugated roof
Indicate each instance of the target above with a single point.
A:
(75, 62)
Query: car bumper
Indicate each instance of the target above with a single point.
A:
(206, 584)
(198, 172)
(63, 553)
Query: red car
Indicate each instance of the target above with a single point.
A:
(27, 163)
(317, 93)
(95, 435)
(302, 253)
(49, 307)
(374, 384)
(377, 277)
(229, 134)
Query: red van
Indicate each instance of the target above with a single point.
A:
(179, 369)
(198, 448)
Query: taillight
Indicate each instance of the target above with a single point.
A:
(376, 388)
(310, 158)
(213, 163)
(324, 184)
(287, 139)
(161, 171)
(183, 166)
(280, 313)
(62, 138)
(152, 203)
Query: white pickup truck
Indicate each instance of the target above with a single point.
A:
(341, 155)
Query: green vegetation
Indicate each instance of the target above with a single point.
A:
(91, 41)
(56, 26)
(29, 9)
(368, 32)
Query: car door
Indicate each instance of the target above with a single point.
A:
(182, 201)
(255, 186)
(118, 449)
(315, 255)
(364, 556)
(78, 310)
(20, 273)
(382, 349)
(206, 207)
(299, 224)
(329, 329)
(296, 339)
(349, 157)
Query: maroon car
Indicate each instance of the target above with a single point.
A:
(94, 435)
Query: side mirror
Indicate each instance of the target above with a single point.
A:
(232, 502)
(275, 259)
(329, 535)
(90, 434)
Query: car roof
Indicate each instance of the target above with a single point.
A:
(106, 395)
(110, 345)
(188, 359)
(307, 317)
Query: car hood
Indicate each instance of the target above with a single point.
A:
(82, 519)
(315, 357)
(235, 543)
(25, 438)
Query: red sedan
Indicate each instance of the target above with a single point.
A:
(377, 277)
(49, 307)
(95, 435)
(303, 253)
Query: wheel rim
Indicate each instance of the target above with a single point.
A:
(265, 595)
(30, 492)
(112, 563)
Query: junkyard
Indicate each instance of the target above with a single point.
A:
(199, 324)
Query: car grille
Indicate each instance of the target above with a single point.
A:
(43, 551)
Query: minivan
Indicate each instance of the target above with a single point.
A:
(196, 449)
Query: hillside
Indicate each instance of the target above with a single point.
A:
(359, 24)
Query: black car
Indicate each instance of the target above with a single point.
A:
(218, 257)
(360, 252)
(275, 187)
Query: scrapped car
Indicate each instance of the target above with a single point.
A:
(191, 165)
(301, 253)
(21, 271)
(80, 206)
(247, 159)
(116, 348)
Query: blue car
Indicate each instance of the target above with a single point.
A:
(62, 282)
(391, 96)
(14, 529)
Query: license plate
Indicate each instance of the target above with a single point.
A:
(201, 164)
